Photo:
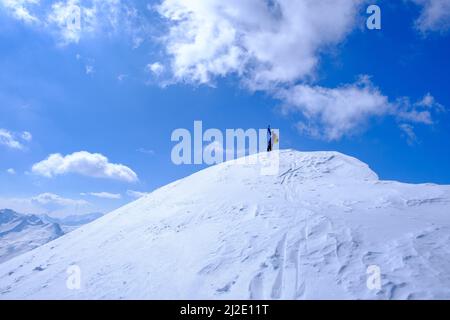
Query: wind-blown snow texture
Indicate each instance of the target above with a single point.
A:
(229, 232)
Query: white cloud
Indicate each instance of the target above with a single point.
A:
(337, 111)
(66, 18)
(137, 194)
(75, 19)
(100, 17)
(331, 113)
(89, 69)
(408, 131)
(11, 171)
(26, 136)
(45, 203)
(121, 77)
(84, 163)
(7, 139)
(435, 16)
(155, 68)
(430, 102)
(72, 20)
(137, 41)
(409, 113)
(105, 195)
(51, 198)
(20, 9)
(421, 111)
(13, 140)
(266, 42)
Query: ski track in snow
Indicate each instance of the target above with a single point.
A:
(229, 232)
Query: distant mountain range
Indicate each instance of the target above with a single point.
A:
(20, 233)
(72, 222)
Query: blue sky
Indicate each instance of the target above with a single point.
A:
(117, 88)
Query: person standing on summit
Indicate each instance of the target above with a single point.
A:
(269, 139)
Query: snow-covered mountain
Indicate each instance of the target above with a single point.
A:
(228, 232)
(21, 233)
(72, 222)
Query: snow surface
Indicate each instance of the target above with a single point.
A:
(229, 232)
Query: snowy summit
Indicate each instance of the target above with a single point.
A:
(316, 230)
